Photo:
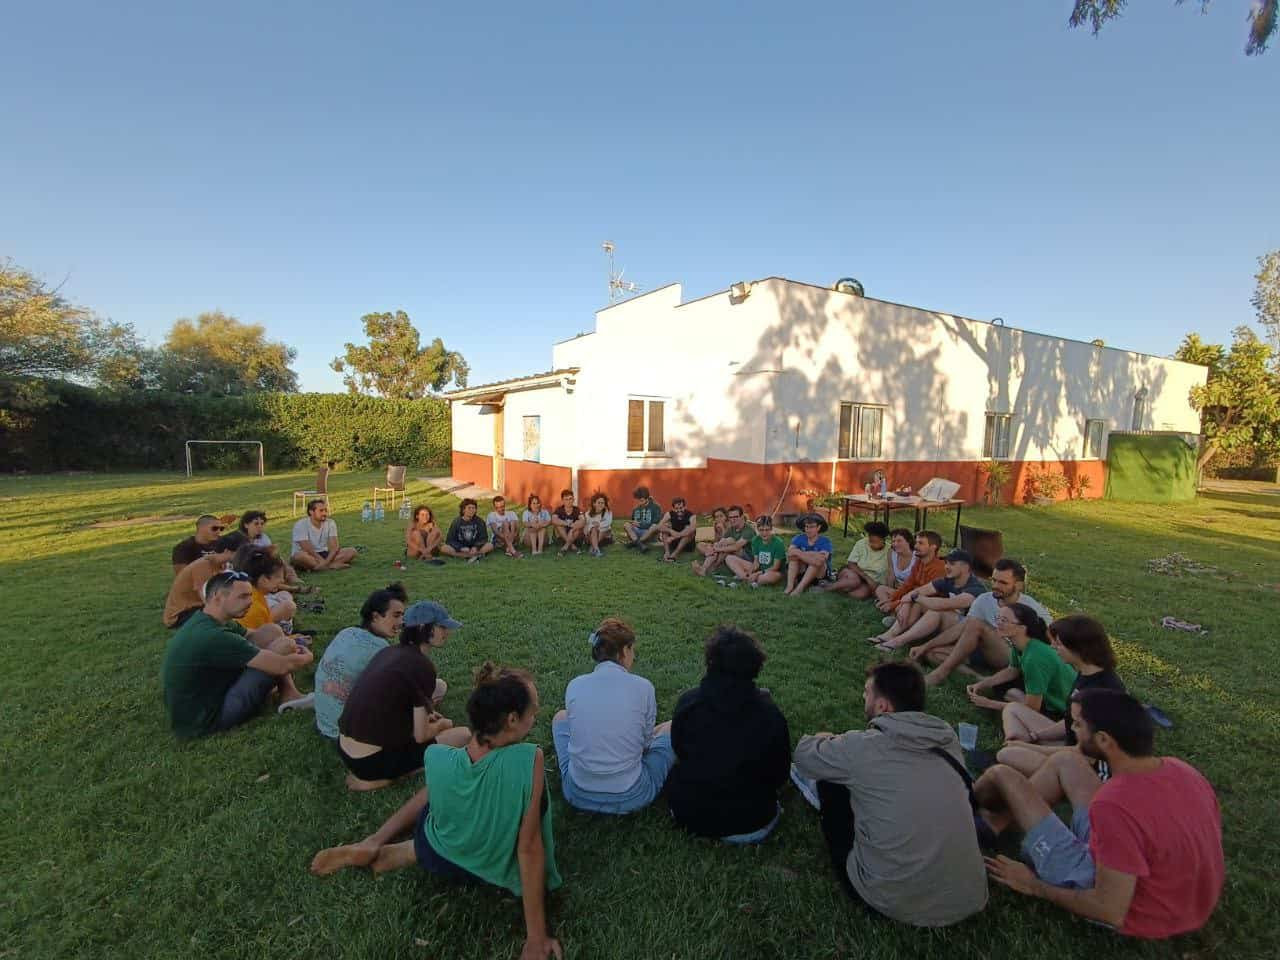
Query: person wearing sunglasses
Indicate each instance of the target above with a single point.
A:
(217, 675)
(208, 529)
(253, 524)
(186, 594)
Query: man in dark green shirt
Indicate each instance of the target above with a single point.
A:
(643, 525)
(215, 676)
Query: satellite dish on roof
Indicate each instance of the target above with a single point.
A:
(849, 285)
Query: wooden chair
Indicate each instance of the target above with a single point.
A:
(321, 492)
(394, 485)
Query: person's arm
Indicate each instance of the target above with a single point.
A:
(961, 601)
(1007, 675)
(427, 724)
(776, 762)
(538, 943)
(411, 540)
(820, 755)
(277, 664)
(1107, 901)
(451, 538)
(333, 544)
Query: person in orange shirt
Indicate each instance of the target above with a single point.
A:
(900, 604)
(266, 572)
(186, 595)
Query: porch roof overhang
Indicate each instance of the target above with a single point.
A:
(492, 394)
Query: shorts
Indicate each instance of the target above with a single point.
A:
(640, 529)
(655, 763)
(390, 763)
(431, 861)
(244, 698)
(1060, 854)
(977, 661)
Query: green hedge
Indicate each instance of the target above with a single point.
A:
(48, 426)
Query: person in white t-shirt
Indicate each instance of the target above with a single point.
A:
(597, 524)
(503, 529)
(536, 520)
(315, 541)
(974, 644)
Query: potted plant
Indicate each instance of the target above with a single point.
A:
(998, 473)
(1079, 486)
(1044, 486)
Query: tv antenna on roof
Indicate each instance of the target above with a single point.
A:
(618, 288)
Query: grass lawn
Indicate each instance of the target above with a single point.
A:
(117, 841)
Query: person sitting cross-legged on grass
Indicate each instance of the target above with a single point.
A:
(484, 815)
(390, 716)
(315, 541)
(643, 525)
(612, 757)
(186, 593)
(467, 538)
(1081, 643)
(265, 569)
(503, 528)
(1143, 851)
(217, 675)
(973, 643)
(351, 649)
(938, 605)
(1041, 682)
(423, 537)
(566, 521)
(767, 550)
(894, 807)
(928, 567)
(676, 529)
(597, 524)
(208, 529)
(537, 523)
(734, 542)
(867, 567)
(809, 556)
(732, 746)
(902, 563)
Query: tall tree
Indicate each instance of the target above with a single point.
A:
(1239, 405)
(1262, 18)
(394, 364)
(216, 353)
(41, 334)
(1266, 296)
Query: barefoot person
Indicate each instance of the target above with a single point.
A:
(735, 541)
(216, 674)
(1045, 681)
(676, 529)
(597, 524)
(768, 552)
(643, 525)
(503, 529)
(613, 759)
(537, 524)
(351, 649)
(423, 537)
(938, 605)
(868, 565)
(974, 644)
(315, 541)
(809, 556)
(902, 563)
(484, 815)
(1143, 851)
(928, 567)
(390, 717)
(894, 808)
(566, 521)
(186, 593)
(468, 538)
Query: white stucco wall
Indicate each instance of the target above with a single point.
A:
(557, 409)
(472, 429)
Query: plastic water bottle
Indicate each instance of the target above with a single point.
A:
(366, 512)
(406, 509)
(380, 513)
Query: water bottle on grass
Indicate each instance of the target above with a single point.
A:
(366, 512)
(379, 514)
(406, 508)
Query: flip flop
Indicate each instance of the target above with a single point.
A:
(305, 702)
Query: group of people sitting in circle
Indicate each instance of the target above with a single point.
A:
(903, 822)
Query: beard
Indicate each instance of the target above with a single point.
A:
(1090, 750)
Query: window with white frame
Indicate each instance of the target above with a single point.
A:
(1094, 432)
(646, 427)
(995, 443)
(861, 431)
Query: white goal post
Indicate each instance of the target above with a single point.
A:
(256, 443)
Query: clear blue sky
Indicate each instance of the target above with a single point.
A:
(299, 164)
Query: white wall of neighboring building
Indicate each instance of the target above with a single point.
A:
(472, 428)
(557, 411)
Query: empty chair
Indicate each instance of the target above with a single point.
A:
(321, 492)
(394, 484)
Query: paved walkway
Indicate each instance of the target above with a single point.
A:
(460, 488)
(1259, 487)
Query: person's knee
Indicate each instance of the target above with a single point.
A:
(562, 716)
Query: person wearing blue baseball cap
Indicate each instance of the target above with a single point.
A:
(390, 715)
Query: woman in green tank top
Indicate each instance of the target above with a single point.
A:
(484, 814)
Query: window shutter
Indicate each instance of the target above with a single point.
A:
(635, 426)
(845, 438)
(656, 438)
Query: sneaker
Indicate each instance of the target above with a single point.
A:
(305, 702)
(754, 585)
(808, 788)
(597, 552)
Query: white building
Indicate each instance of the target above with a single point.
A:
(754, 394)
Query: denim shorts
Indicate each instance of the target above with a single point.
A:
(655, 763)
(1060, 854)
(245, 698)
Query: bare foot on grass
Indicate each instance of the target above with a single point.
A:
(360, 786)
(337, 858)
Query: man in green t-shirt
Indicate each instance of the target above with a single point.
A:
(643, 525)
(217, 675)
(767, 551)
(736, 542)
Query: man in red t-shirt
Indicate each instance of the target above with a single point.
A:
(1143, 852)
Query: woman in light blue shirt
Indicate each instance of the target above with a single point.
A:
(612, 757)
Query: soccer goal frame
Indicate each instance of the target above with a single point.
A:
(256, 443)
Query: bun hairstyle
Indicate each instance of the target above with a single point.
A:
(499, 692)
(609, 640)
(1030, 621)
(379, 602)
(257, 562)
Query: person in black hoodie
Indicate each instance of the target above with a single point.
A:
(732, 746)
(468, 537)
